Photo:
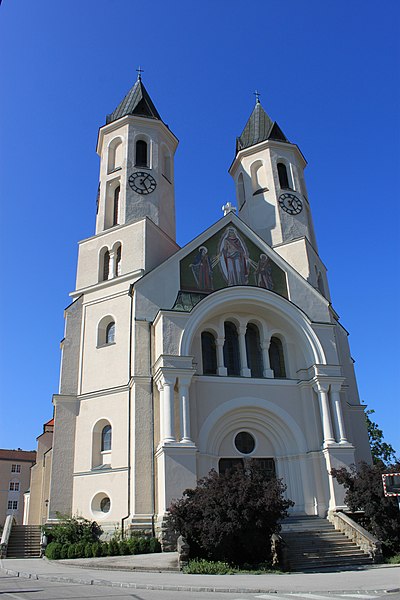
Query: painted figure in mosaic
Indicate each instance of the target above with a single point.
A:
(202, 270)
(234, 258)
(263, 273)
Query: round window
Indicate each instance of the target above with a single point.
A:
(245, 442)
(105, 505)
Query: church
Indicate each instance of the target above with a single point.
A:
(176, 361)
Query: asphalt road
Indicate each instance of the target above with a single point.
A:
(17, 588)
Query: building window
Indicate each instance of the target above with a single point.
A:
(15, 468)
(276, 358)
(229, 464)
(244, 442)
(14, 486)
(106, 439)
(110, 333)
(116, 205)
(283, 176)
(240, 188)
(141, 154)
(114, 155)
(106, 265)
(118, 255)
(253, 350)
(231, 349)
(105, 504)
(12, 505)
(106, 331)
(209, 353)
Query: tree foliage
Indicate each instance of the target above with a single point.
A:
(380, 450)
(230, 517)
(364, 491)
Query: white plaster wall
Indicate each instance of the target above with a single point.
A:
(113, 408)
(107, 366)
(114, 485)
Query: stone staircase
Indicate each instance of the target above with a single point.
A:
(24, 542)
(314, 544)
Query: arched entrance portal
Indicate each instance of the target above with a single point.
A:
(256, 428)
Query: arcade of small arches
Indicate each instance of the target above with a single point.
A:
(110, 262)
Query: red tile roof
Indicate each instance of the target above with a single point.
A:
(20, 455)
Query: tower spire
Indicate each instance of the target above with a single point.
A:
(259, 128)
(136, 102)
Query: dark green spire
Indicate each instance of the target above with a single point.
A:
(259, 128)
(136, 102)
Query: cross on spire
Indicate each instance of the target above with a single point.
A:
(139, 72)
(257, 95)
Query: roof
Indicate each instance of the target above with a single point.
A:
(136, 102)
(21, 455)
(259, 128)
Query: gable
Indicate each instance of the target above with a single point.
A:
(230, 258)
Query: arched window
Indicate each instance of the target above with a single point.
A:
(110, 333)
(231, 349)
(106, 331)
(276, 358)
(106, 265)
(118, 255)
(116, 205)
(283, 176)
(166, 164)
(106, 439)
(258, 177)
(253, 349)
(114, 155)
(240, 188)
(209, 353)
(141, 154)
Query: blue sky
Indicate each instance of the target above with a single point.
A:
(328, 73)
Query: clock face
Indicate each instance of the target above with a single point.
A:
(290, 203)
(142, 183)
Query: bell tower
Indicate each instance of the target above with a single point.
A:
(136, 151)
(268, 171)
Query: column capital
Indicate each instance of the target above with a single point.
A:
(321, 386)
(219, 341)
(242, 329)
(185, 380)
(336, 387)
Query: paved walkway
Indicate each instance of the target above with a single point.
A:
(119, 571)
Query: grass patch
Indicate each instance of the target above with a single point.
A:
(201, 566)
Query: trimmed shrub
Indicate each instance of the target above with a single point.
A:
(64, 551)
(124, 547)
(71, 530)
(105, 549)
(72, 551)
(53, 551)
(80, 549)
(154, 545)
(113, 547)
(88, 550)
(206, 567)
(96, 549)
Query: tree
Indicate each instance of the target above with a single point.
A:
(364, 491)
(231, 516)
(381, 451)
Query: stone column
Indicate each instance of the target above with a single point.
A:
(267, 372)
(221, 369)
(338, 413)
(184, 404)
(111, 265)
(327, 430)
(169, 413)
(244, 368)
(161, 391)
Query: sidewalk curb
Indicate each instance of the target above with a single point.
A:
(171, 588)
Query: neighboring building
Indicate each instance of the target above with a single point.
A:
(179, 360)
(37, 500)
(15, 466)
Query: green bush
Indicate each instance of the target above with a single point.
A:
(154, 545)
(53, 551)
(71, 530)
(88, 550)
(206, 567)
(80, 549)
(124, 548)
(105, 550)
(72, 551)
(64, 551)
(97, 549)
(113, 547)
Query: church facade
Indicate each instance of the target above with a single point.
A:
(176, 360)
